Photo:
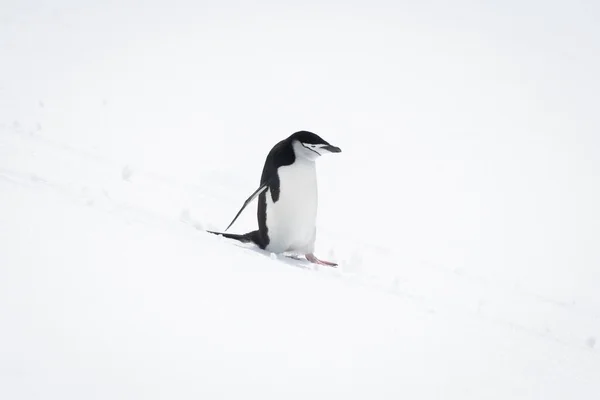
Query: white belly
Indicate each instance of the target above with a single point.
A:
(291, 220)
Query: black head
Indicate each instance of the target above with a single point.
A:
(311, 145)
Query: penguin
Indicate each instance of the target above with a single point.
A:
(288, 198)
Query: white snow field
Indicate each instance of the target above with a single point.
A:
(463, 209)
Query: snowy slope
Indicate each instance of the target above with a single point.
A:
(106, 295)
(462, 210)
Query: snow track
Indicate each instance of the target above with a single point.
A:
(108, 286)
(463, 211)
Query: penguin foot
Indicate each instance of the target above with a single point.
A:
(313, 259)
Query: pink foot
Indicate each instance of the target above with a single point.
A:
(313, 259)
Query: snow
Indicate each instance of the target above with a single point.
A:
(462, 210)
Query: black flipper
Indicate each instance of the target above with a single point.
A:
(249, 200)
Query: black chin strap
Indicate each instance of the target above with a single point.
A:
(306, 147)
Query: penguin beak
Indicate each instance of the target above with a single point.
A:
(332, 149)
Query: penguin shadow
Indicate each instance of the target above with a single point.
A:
(289, 259)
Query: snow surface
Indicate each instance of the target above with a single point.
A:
(463, 209)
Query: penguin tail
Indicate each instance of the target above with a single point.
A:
(250, 237)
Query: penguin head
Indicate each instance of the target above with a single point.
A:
(310, 146)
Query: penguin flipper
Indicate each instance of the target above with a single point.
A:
(249, 200)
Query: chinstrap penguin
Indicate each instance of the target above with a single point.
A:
(288, 197)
